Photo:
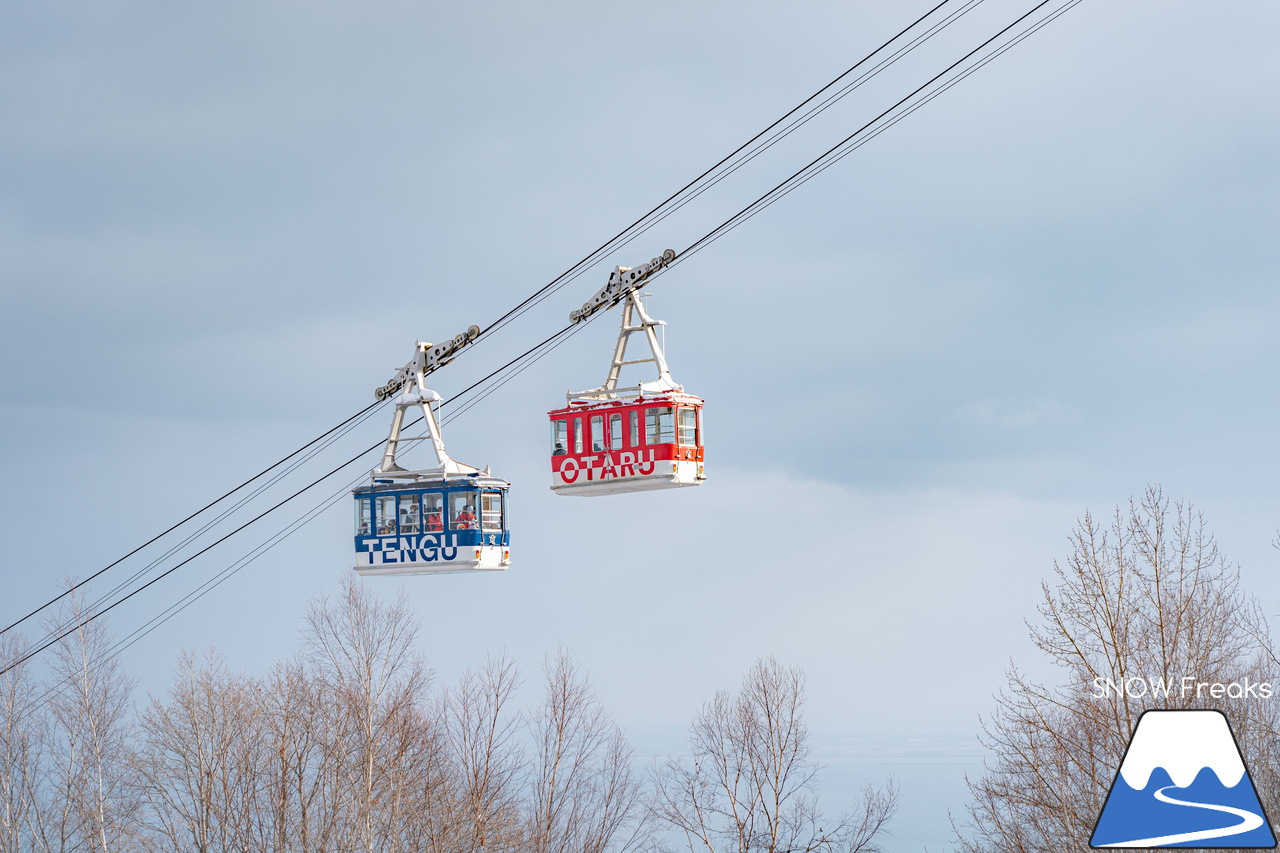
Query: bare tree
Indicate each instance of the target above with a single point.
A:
(198, 762)
(1146, 601)
(345, 749)
(585, 795)
(750, 788)
(482, 811)
(86, 800)
(375, 682)
(299, 791)
(21, 722)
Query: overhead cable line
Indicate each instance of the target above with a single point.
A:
(217, 580)
(193, 515)
(187, 600)
(80, 623)
(796, 124)
(316, 447)
(639, 226)
(65, 632)
(656, 214)
(844, 148)
(801, 176)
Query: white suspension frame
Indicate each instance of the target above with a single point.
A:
(624, 286)
(634, 319)
(411, 381)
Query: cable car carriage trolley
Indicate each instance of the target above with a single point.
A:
(448, 517)
(611, 440)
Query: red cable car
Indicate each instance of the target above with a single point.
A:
(611, 440)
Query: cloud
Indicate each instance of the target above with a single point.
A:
(1014, 414)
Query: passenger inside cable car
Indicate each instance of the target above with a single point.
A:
(433, 515)
(409, 513)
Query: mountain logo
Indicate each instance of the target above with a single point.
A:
(1183, 783)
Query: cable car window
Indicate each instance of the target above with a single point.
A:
(634, 418)
(597, 433)
(462, 510)
(433, 512)
(559, 438)
(362, 517)
(660, 425)
(491, 511)
(386, 517)
(688, 427)
(408, 513)
(577, 435)
(615, 431)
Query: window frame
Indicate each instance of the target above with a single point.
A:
(457, 502)
(560, 437)
(436, 499)
(690, 430)
(615, 431)
(654, 423)
(364, 516)
(485, 498)
(410, 518)
(599, 441)
(381, 523)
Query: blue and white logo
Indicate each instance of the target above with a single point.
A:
(1183, 783)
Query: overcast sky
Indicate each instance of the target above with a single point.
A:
(222, 225)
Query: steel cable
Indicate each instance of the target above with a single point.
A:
(520, 363)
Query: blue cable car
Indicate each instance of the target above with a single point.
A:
(454, 524)
(447, 517)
